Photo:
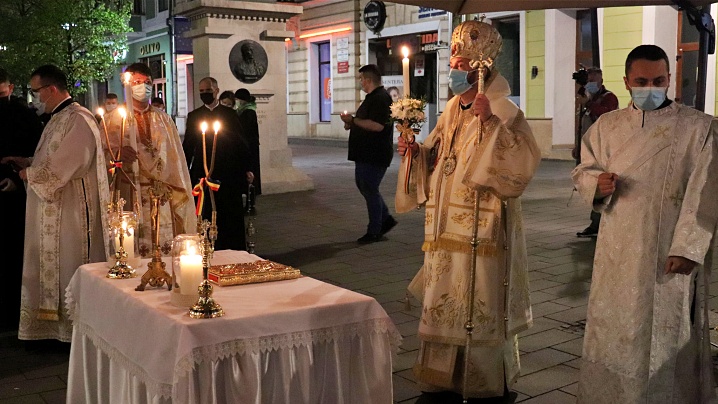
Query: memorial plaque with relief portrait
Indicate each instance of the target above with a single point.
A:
(248, 61)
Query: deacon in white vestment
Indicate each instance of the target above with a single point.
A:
(650, 169)
(67, 194)
(152, 156)
(498, 162)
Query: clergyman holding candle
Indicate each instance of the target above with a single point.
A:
(151, 153)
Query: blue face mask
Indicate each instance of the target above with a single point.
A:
(591, 87)
(459, 81)
(648, 98)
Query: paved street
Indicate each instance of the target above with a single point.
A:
(316, 232)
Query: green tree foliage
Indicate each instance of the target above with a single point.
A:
(83, 37)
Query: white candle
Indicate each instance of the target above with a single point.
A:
(190, 273)
(128, 242)
(405, 70)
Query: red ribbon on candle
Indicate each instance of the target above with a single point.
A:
(198, 191)
(115, 165)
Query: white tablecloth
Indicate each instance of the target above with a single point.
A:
(295, 341)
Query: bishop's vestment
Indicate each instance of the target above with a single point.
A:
(498, 163)
(646, 337)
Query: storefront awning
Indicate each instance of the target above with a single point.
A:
(485, 6)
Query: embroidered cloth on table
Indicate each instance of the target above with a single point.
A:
(159, 343)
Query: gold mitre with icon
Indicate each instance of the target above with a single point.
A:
(476, 41)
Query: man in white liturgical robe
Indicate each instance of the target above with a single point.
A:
(650, 169)
(67, 196)
(482, 145)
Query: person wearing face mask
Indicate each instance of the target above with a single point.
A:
(151, 156)
(650, 168)
(232, 167)
(594, 101)
(481, 144)
(111, 103)
(67, 194)
(19, 135)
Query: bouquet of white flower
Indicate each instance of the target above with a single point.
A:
(408, 113)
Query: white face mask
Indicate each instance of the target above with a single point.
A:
(110, 107)
(142, 92)
(39, 105)
(648, 98)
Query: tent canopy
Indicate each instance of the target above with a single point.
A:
(485, 6)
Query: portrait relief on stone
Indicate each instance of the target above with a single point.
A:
(248, 61)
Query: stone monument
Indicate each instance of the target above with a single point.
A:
(242, 44)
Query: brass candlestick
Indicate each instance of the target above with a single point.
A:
(121, 223)
(206, 307)
(156, 274)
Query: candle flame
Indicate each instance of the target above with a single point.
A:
(190, 249)
(122, 111)
(203, 127)
(101, 111)
(405, 51)
(216, 125)
(127, 76)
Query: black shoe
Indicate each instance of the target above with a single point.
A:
(388, 224)
(588, 232)
(370, 238)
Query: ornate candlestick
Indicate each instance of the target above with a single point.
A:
(206, 307)
(251, 213)
(156, 274)
(123, 224)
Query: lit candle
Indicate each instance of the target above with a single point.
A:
(123, 113)
(128, 242)
(405, 70)
(127, 77)
(190, 272)
(216, 125)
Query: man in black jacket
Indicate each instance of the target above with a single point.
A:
(371, 149)
(232, 163)
(19, 134)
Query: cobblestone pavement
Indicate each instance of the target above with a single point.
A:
(316, 232)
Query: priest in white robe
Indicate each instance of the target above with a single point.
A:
(650, 169)
(454, 161)
(151, 156)
(67, 195)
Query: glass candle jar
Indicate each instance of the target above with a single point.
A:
(187, 272)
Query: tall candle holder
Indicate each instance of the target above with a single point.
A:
(156, 274)
(122, 224)
(206, 307)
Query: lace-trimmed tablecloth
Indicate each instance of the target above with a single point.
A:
(159, 343)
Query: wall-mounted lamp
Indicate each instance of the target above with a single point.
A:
(534, 72)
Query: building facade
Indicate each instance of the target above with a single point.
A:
(541, 51)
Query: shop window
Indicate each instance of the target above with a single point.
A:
(509, 60)
(138, 7)
(162, 5)
(325, 81)
(159, 79)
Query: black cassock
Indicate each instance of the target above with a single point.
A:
(232, 161)
(20, 131)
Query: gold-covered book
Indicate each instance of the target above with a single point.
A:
(251, 272)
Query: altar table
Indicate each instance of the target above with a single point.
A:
(290, 342)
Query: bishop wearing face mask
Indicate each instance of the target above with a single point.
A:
(152, 154)
(232, 168)
(650, 169)
(457, 159)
